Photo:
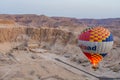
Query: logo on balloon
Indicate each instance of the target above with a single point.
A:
(87, 47)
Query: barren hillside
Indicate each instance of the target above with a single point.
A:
(42, 21)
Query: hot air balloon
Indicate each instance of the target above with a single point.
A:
(95, 43)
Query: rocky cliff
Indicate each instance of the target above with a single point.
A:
(53, 39)
(8, 33)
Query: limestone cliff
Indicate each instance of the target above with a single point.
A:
(37, 34)
(52, 39)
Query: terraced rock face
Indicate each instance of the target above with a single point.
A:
(53, 39)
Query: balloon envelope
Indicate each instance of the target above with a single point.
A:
(95, 42)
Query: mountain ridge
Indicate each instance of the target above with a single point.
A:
(43, 20)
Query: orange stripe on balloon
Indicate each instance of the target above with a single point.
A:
(94, 58)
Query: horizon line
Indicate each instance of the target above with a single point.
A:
(60, 16)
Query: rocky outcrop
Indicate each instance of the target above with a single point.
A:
(48, 38)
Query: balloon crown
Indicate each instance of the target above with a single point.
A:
(96, 34)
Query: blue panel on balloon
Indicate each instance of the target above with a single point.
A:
(110, 38)
(103, 55)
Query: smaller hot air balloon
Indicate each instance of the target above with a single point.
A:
(95, 42)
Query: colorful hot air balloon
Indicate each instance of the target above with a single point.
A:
(95, 42)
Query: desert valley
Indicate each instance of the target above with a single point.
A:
(38, 47)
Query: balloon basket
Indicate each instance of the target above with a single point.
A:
(95, 68)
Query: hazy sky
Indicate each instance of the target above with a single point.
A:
(67, 8)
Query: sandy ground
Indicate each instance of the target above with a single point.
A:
(79, 68)
(40, 64)
(25, 65)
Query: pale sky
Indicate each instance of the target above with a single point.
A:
(66, 8)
